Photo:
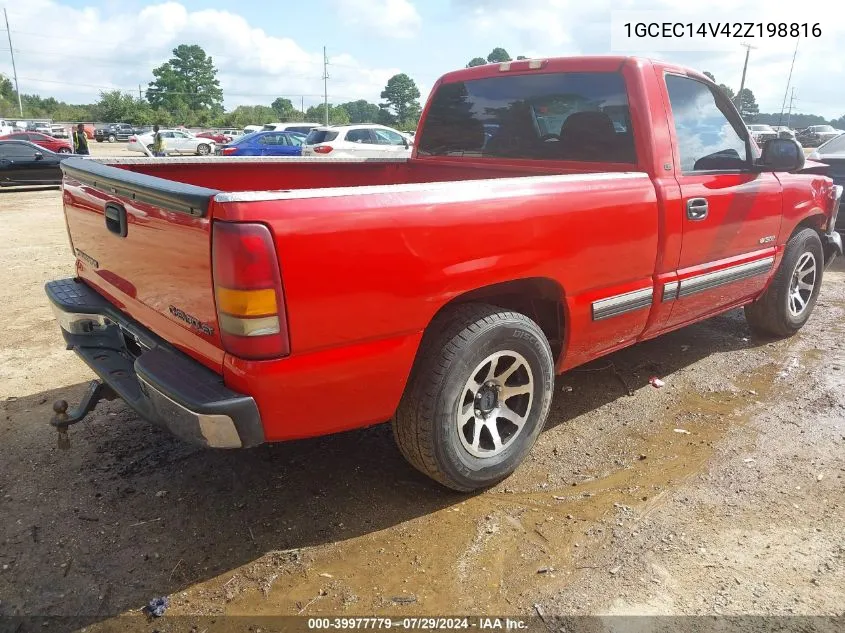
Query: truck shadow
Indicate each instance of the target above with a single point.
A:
(129, 513)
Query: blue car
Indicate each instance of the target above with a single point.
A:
(264, 144)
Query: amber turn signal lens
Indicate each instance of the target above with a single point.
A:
(247, 303)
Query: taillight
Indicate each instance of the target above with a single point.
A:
(228, 151)
(323, 149)
(248, 291)
(133, 139)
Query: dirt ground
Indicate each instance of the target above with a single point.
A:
(721, 493)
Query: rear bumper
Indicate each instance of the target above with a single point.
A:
(160, 383)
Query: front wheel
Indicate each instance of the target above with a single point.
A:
(64, 150)
(788, 302)
(477, 398)
(112, 138)
(203, 149)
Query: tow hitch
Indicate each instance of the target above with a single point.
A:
(97, 390)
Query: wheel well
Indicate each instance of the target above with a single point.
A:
(537, 297)
(815, 222)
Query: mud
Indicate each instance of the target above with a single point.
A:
(719, 493)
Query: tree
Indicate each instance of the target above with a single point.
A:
(498, 55)
(283, 108)
(476, 61)
(401, 97)
(361, 111)
(188, 81)
(710, 76)
(115, 105)
(747, 104)
(337, 114)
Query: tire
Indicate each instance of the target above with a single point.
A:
(203, 149)
(64, 150)
(150, 147)
(454, 355)
(776, 312)
(100, 140)
(112, 138)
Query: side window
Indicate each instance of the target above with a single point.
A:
(18, 151)
(388, 137)
(707, 140)
(358, 136)
(293, 140)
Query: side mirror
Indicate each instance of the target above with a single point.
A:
(405, 142)
(38, 155)
(782, 154)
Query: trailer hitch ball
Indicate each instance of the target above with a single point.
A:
(60, 422)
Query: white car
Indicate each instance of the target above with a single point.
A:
(301, 128)
(249, 129)
(175, 142)
(58, 131)
(6, 127)
(356, 141)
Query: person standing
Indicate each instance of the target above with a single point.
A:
(80, 140)
(158, 142)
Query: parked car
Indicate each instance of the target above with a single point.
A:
(175, 142)
(832, 154)
(815, 135)
(783, 131)
(232, 134)
(264, 144)
(356, 141)
(6, 127)
(217, 137)
(301, 128)
(114, 132)
(59, 131)
(60, 146)
(249, 129)
(24, 163)
(42, 127)
(762, 133)
(443, 292)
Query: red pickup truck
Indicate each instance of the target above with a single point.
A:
(553, 211)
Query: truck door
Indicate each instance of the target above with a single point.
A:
(732, 213)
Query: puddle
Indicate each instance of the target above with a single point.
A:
(489, 552)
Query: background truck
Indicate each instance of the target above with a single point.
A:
(114, 132)
(552, 211)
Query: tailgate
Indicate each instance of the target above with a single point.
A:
(145, 243)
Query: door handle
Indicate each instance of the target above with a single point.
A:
(116, 219)
(697, 208)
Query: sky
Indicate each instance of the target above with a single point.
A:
(73, 49)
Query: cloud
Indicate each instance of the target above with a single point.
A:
(561, 27)
(74, 53)
(388, 18)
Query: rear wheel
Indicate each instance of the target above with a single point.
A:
(477, 398)
(791, 296)
(64, 150)
(203, 149)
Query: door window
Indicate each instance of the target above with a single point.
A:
(17, 151)
(707, 139)
(388, 137)
(359, 136)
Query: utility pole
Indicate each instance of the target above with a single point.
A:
(302, 107)
(326, 84)
(789, 112)
(140, 97)
(14, 68)
(788, 81)
(748, 48)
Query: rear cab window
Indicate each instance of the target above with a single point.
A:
(320, 136)
(575, 116)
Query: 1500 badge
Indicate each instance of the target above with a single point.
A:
(193, 321)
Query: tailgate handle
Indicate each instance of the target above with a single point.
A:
(116, 219)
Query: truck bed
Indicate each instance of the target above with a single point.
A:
(248, 173)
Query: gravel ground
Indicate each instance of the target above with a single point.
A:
(720, 493)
